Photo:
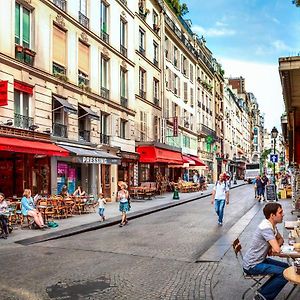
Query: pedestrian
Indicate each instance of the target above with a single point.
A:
(3, 216)
(267, 241)
(260, 188)
(101, 202)
(124, 206)
(265, 182)
(202, 183)
(220, 195)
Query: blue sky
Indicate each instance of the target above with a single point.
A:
(247, 37)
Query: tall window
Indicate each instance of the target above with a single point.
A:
(142, 83)
(83, 7)
(59, 119)
(22, 26)
(123, 37)
(83, 64)
(104, 72)
(123, 125)
(185, 91)
(156, 129)
(59, 50)
(156, 91)
(142, 45)
(123, 83)
(175, 57)
(104, 22)
(143, 128)
(21, 110)
(155, 53)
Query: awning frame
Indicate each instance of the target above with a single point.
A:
(68, 107)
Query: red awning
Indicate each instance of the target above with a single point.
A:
(32, 147)
(152, 154)
(189, 160)
(198, 162)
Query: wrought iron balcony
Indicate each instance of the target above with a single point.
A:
(85, 135)
(142, 50)
(60, 130)
(123, 50)
(22, 121)
(203, 130)
(62, 4)
(104, 93)
(156, 101)
(104, 37)
(142, 94)
(124, 101)
(104, 139)
(83, 20)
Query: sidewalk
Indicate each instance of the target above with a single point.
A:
(91, 221)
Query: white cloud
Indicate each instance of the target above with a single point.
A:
(214, 31)
(264, 82)
(280, 46)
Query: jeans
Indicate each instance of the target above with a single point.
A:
(271, 288)
(101, 212)
(219, 208)
(4, 221)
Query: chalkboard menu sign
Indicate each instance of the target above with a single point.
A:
(271, 192)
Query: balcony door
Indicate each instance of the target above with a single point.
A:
(106, 187)
(21, 110)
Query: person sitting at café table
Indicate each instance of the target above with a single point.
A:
(64, 192)
(267, 241)
(78, 192)
(3, 217)
(28, 208)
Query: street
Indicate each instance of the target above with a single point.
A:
(154, 257)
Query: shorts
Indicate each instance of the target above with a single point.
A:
(124, 207)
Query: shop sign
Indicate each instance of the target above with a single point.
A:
(98, 160)
(175, 126)
(3, 93)
(131, 156)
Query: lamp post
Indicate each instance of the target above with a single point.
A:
(274, 134)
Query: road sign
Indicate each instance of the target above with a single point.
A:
(274, 158)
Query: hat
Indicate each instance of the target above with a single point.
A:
(122, 184)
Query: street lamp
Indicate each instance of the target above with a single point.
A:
(274, 134)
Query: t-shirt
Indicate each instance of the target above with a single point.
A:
(221, 188)
(101, 202)
(259, 248)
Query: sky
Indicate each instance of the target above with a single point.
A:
(247, 37)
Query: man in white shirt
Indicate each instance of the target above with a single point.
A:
(220, 195)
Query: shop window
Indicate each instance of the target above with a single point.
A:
(84, 126)
(59, 120)
(144, 172)
(22, 117)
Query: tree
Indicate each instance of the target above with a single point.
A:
(184, 9)
(296, 2)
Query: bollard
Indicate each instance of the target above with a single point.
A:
(176, 194)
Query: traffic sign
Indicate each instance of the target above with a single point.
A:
(274, 158)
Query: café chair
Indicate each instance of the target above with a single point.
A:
(237, 248)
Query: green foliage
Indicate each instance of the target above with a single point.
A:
(179, 9)
(296, 2)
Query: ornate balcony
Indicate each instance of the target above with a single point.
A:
(22, 121)
(83, 20)
(104, 37)
(104, 139)
(104, 93)
(123, 50)
(62, 4)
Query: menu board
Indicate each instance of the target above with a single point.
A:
(271, 192)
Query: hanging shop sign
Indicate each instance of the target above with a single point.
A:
(175, 126)
(3, 93)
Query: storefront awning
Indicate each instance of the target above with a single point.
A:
(152, 154)
(66, 105)
(188, 160)
(32, 147)
(198, 161)
(91, 114)
(90, 156)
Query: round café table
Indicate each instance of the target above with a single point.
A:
(291, 275)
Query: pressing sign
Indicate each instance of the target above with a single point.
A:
(271, 192)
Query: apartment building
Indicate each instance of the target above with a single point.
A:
(69, 69)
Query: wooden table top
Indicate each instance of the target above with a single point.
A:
(291, 275)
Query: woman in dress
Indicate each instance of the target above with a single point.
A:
(28, 209)
(123, 196)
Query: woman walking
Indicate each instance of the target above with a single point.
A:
(123, 196)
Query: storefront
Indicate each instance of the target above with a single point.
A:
(25, 163)
(128, 169)
(94, 170)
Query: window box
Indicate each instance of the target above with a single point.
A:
(19, 48)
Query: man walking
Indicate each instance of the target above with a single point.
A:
(267, 240)
(220, 194)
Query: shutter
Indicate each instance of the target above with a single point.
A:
(26, 28)
(17, 24)
(59, 46)
(83, 58)
(185, 90)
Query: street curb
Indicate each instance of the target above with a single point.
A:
(111, 222)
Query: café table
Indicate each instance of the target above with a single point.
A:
(291, 275)
(43, 208)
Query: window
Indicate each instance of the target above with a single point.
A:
(143, 127)
(156, 128)
(83, 64)
(21, 110)
(59, 51)
(175, 57)
(123, 83)
(104, 22)
(104, 138)
(142, 83)
(104, 71)
(123, 37)
(191, 73)
(59, 119)
(156, 91)
(142, 46)
(155, 22)
(83, 19)
(22, 26)
(192, 96)
(123, 125)
(84, 125)
(83, 7)
(167, 46)
(184, 65)
(185, 91)
(155, 53)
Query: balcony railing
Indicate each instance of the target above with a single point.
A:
(104, 139)
(156, 101)
(85, 135)
(104, 37)
(123, 50)
(62, 4)
(142, 94)
(60, 130)
(104, 93)
(83, 20)
(205, 131)
(82, 80)
(142, 50)
(22, 121)
(124, 101)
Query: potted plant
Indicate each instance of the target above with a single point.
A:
(19, 48)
